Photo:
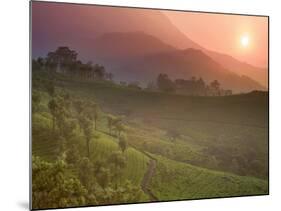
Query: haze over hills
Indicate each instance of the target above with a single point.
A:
(241, 68)
(153, 33)
(140, 57)
(127, 45)
(127, 109)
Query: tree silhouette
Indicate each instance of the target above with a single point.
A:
(215, 86)
(164, 83)
(122, 143)
(62, 59)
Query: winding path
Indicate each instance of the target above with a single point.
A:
(147, 179)
(148, 174)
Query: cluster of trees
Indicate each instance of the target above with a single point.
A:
(64, 60)
(53, 187)
(241, 162)
(193, 86)
(73, 122)
(115, 126)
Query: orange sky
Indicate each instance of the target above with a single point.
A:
(222, 33)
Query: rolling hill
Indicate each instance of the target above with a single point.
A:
(203, 162)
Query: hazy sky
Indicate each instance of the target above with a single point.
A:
(224, 33)
(55, 24)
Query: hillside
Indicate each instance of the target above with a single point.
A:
(119, 46)
(240, 68)
(197, 183)
(213, 126)
(204, 155)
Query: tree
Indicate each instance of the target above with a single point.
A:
(164, 83)
(118, 161)
(127, 193)
(86, 172)
(200, 86)
(215, 86)
(115, 123)
(53, 107)
(110, 122)
(94, 113)
(103, 177)
(86, 125)
(62, 59)
(78, 106)
(50, 88)
(61, 118)
(119, 128)
(99, 72)
(72, 155)
(90, 109)
(122, 144)
(86, 70)
(36, 98)
(53, 188)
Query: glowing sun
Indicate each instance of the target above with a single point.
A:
(245, 41)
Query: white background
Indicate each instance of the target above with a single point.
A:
(14, 104)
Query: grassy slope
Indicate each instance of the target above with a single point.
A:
(236, 125)
(143, 113)
(101, 147)
(176, 180)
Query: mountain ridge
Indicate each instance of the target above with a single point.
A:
(135, 61)
(73, 21)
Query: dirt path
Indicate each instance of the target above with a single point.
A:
(148, 174)
(147, 179)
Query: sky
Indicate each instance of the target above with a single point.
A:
(243, 37)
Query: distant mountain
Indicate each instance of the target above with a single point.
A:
(140, 57)
(84, 28)
(241, 68)
(78, 26)
(127, 45)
